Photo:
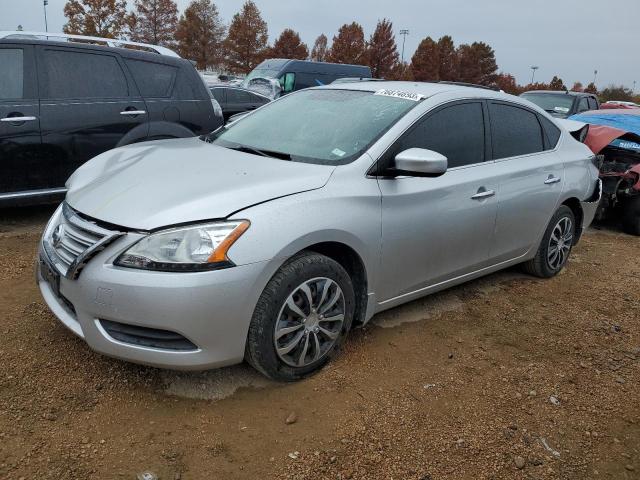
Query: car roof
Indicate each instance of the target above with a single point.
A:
(421, 88)
(561, 92)
(124, 52)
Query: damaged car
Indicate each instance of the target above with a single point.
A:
(271, 238)
(614, 135)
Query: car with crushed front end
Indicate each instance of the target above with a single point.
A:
(271, 238)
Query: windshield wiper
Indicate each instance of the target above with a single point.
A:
(262, 153)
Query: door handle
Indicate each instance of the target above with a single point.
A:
(483, 194)
(551, 180)
(17, 119)
(133, 112)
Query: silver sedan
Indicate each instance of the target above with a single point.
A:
(271, 238)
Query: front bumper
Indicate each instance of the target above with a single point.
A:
(211, 309)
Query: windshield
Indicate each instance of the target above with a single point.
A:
(260, 73)
(330, 127)
(556, 104)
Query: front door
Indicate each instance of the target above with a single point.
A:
(437, 229)
(88, 104)
(20, 151)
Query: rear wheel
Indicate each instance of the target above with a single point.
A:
(301, 319)
(555, 248)
(631, 216)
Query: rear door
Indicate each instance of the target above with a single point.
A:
(20, 153)
(88, 104)
(175, 94)
(530, 177)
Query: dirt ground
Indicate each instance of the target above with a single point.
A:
(508, 377)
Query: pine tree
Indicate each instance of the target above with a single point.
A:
(349, 45)
(100, 18)
(200, 34)
(557, 84)
(449, 64)
(154, 21)
(246, 43)
(289, 45)
(383, 52)
(477, 63)
(320, 49)
(425, 63)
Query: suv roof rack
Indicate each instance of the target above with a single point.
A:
(474, 85)
(109, 42)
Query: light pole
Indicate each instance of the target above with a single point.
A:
(634, 87)
(533, 72)
(595, 75)
(44, 5)
(404, 34)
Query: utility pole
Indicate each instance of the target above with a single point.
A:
(46, 26)
(533, 72)
(404, 34)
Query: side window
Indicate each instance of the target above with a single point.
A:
(593, 105)
(11, 74)
(237, 96)
(457, 132)
(551, 131)
(154, 80)
(75, 75)
(257, 98)
(218, 94)
(583, 106)
(514, 131)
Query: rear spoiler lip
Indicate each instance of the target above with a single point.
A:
(578, 130)
(571, 126)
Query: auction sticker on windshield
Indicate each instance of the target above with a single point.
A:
(416, 97)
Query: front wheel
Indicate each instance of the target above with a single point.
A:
(301, 319)
(555, 248)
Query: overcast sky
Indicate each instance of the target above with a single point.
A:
(570, 38)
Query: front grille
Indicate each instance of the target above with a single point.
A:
(71, 241)
(147, 337)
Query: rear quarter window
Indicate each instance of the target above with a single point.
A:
(515, 131)
(551, 132)
(154, 80)
(11, 74)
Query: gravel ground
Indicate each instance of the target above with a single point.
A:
(508, 377)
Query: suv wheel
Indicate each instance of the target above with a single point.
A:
(301, 319)
(555, 248)
(631, 216)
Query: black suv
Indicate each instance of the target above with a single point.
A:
(62, 103)
(562, 104)
(236, 100)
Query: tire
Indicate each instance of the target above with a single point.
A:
(326, 281)
(631, 216)
(545, 264)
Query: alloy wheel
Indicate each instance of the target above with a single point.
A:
(560, 243)
(309, 322)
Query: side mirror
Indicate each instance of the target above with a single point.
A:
(419, 162)
(289, 82)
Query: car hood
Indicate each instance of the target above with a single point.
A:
(151, 185)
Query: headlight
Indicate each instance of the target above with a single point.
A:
(186, 249)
